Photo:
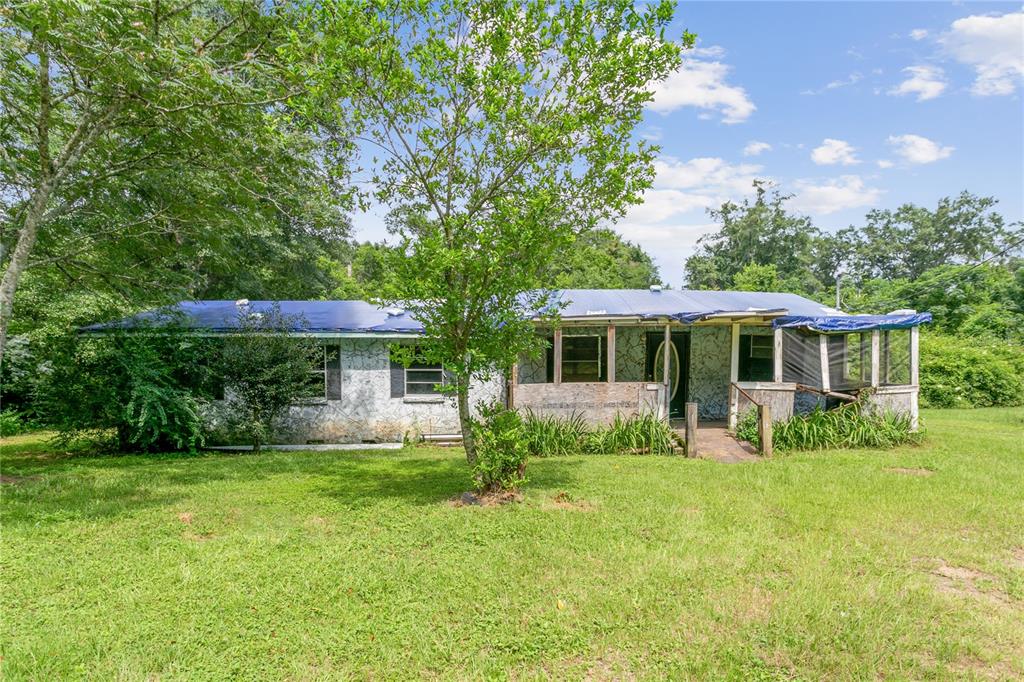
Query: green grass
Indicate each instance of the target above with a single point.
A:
(340, 565)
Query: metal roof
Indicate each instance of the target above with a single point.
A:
(682, 305)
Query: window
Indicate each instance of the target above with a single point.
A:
(761, 347)
(423, 379)
(581, 358)
(324, 383)
(857, 359)
(895, 361)
(756, 354)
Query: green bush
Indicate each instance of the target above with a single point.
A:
(12, 423)
(848, 426)
(501, 448)
(548, 435)
(130, 390)
(970, 372)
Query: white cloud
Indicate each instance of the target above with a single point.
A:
(853, 78)
(927, 82)
(919, 34)
(916, 149)
(994, 46)
(885, 163)
(682, 187)
(845, 192)
(833, 151)
(754, 148)
(669, 244)
(702, 84)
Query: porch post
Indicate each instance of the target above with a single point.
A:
(734, 375)
(611, 354)
(876, 348)
(557, 356)
(665, 375)
(915, 374)
(826, 383)
(777, 356)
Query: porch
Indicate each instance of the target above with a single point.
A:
(726, 364)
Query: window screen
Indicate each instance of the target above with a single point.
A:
(423, 379)
(849, 361)
(894, 363)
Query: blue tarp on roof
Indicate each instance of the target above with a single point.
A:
(685, 306)
(853, 323)
(310, 316)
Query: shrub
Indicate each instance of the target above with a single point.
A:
(501, 448)
(12, 423)
(143, 388)
(970, 372)
(548, 435)
(848, 426)
(265, 370)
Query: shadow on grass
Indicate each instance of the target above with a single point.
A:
(96, 487)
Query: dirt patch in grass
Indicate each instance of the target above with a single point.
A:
(972, 667)
(7, 479)
(1017, 558)
(468, 499)
(963, 581)
(564, 500)
(910, 471)
(186, 518)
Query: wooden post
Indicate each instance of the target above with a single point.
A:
(915, 375)
(876, 353)
(777, 357)
(733, 406)
(826, 384)
(557, 357)
(611, 354)
(764, 429)
(691, 429)
(734, 376)
(665, 375)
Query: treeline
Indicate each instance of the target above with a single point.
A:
(960, 261)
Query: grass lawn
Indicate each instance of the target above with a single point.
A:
(309, 565)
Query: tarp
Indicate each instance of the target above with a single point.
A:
(684, 306)
(309, 316)
(853, 323)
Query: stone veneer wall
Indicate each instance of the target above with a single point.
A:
(366, 411)
(710, 348)
(630, 353)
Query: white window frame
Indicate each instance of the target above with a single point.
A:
(769, 345)
(434, 390)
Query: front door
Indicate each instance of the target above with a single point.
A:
(679, 363)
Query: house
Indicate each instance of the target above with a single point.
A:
(611, 351)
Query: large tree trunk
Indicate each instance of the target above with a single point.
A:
(464, 420)
(19, 259)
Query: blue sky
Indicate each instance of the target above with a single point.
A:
(847, 106)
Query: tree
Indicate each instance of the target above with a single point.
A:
(912, 239)
(761, 232)
(602, 259)
(137, 136)
(504, 130)
(265, 370)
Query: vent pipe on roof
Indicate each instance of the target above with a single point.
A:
(655, 288)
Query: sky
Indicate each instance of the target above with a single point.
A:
(846, 106)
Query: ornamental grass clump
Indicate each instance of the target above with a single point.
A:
(549, 435)
(848, 426)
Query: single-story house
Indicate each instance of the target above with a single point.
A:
(610, 351)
